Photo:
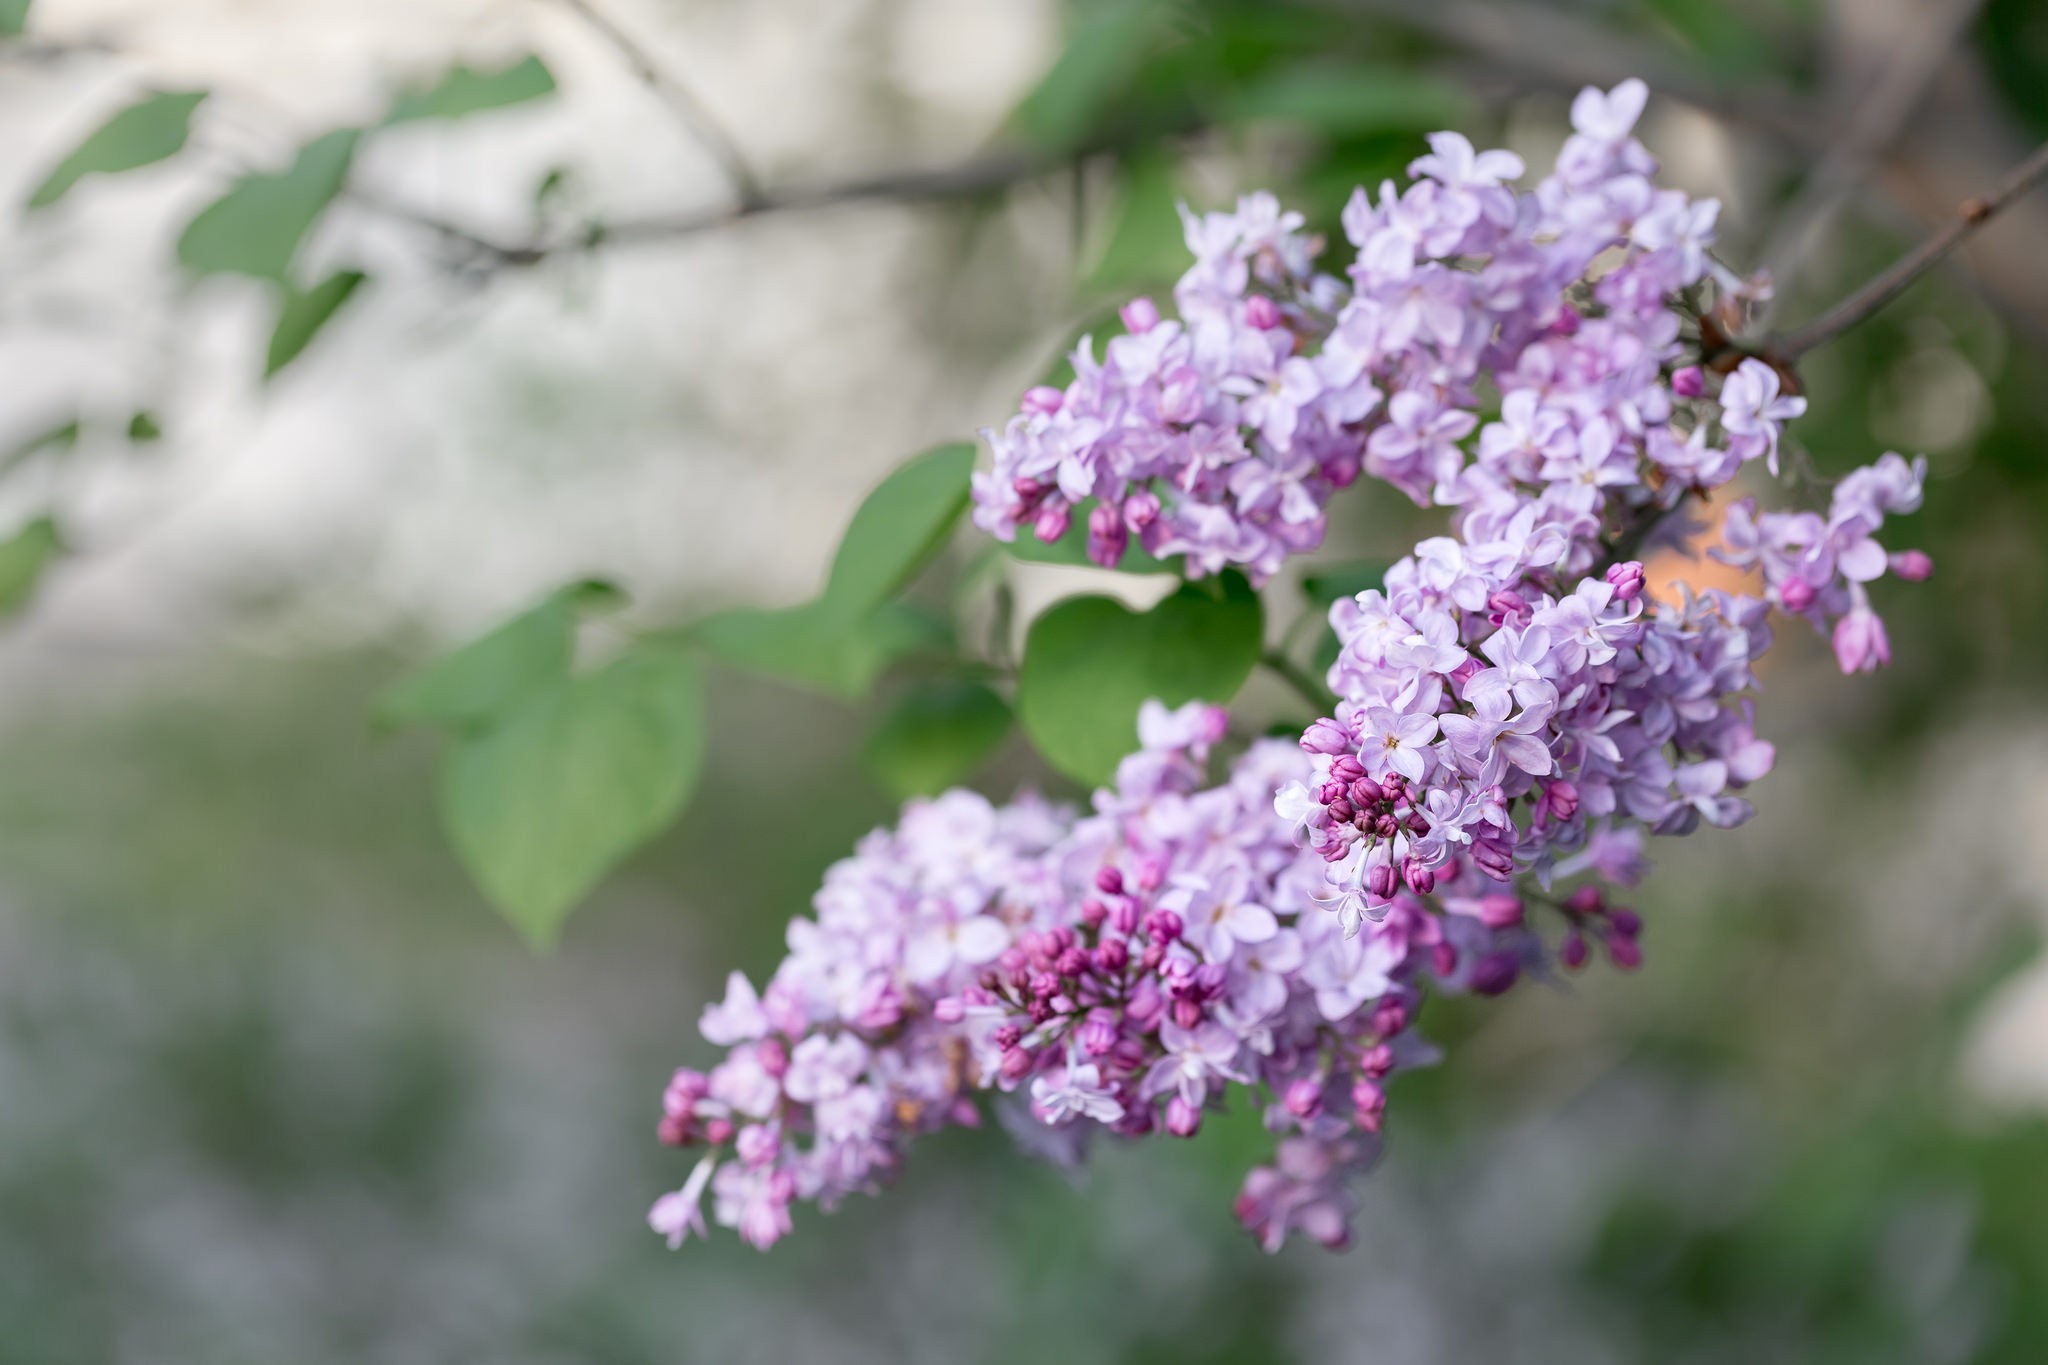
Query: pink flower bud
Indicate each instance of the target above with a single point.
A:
(1499, 910)
(1107, 536)
(1163, 926)
(1860, 642)
(1795, 594)
(1494, 973)
(1368, 1105)
(1380, 881)
(1325, 737)
(1304, 1099)
(718, 1131)
(1389, 1017)
(1109, 881)
(773, 1056)
(1912, 565)
(1626, 579)
(1182, 1119)
(1016, 1064)
(1377, 1061)
(1112, 955)
(1421, 879)
(1053, 520)
(1141, 509)
(758, 1145)
(1624, 952)
(1261, 313)
(1572, 952)
(1043, 400)
(949, 1010)
(1689, 382)
(1139, 315)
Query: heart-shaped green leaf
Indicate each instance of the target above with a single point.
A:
(897, 530)
(541, 806)
(491, 676)
(1090, 662)
(146, 132)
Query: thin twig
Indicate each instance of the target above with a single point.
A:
(1893, 281)
(693, 112)
(1866, 135)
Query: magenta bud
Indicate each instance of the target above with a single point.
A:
(1182, 1119)
(1139, 315)
(1624, 951)
(1093, 913)
(1389, 1017)
(1331, 792)
(1053, 520)
(1164, 926)
(1494, 973)
(1304, 1099)
(673, 1130)
(1029, 490)
(1006, 1036)
(718, 1131)
(949, 1010)
(1499, 910)
(1346, 770)
(1341, 810)
(1913, 565)
(1016, 1064)
(1151, 874)
(1689, 382)
(1141, 509)
(1421, 879)
(1187, 1013)
(1380, 881)
(1043, 398)
(1377, 1061)
(1585, 900)
(1325, 737)
(1368, 1105)
(1796, 594)
(1072, 962)
(1572, 952)
(773, 1056)
(1625, 921)
(1107, 537)
(1098, 1034)
(1562, 798)
(1443, 959)
(1112, 956)
(1366, 792)
(1262, 313)
(1109, 881)
(1626, 580)
(1386, 824)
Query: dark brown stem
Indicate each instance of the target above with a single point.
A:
(1890, 283)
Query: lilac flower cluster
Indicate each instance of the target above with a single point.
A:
(1114, 972)
(1518, 706)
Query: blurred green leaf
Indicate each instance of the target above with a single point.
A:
(255, 228)
(144, 133)
(1326, 584)
(1105, 51)
(13, 17)
(935, 736)
(304, 314)
(465, 91)
(1090, 662)
(1147, 246)
(578, 776)
(143, 428)
(897, 530)
(23, 557)
(815, 647)
(1072, 548)
(2013, 37)
(1350, 100)
(1716, 32)
(59, 438)
(480, 683)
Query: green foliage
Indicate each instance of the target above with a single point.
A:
(464, 91)
(1104, 53)
(148, 131)
(13, 17)
(490, 677)
(898, 528)
(813, 647)
(541, 806)
(1349, 99)
(1090, 662)
(304, 314)
(61, 437)
(144, 428)
(256, 227)
(1325, 585)
(1147, 246)
(2013, 38)
(935, 736)
(23, 557)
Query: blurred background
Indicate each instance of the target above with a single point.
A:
(275, 1084)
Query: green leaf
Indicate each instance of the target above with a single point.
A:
(23, 557)
(1346, 101)
(59, 438)
(897, 530)
(1326, 584)
(1104, 54)
(1072, 548)
(493, 675)
(935, 737)
(465, 91)
(1090, 662)
(144, 428)
(815, 647)
(144, 133)
(256, 227)
(543, 805)
(13, 17)
(304, 314)
(1148, 246)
